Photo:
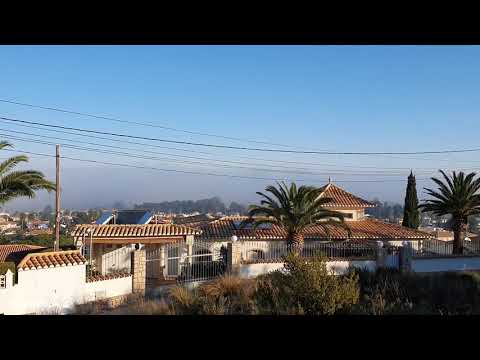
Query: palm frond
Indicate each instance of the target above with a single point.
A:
(21, 183)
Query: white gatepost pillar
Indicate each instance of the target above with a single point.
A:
(8, 279)
(381, 257)
(189, 241)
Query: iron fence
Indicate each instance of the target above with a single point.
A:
(275, 251)
(186, 262)
(114, 262)
(439, 248)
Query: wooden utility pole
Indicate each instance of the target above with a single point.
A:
(56, 245)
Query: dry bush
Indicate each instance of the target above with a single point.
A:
(51, 311)
(387, 291)
(184, 301)
(90, 308)
(145, 307)
(229, 295)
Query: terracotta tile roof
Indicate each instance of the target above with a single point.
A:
(100, 277)
(51, 259)
(343, 199)
(366, 229)
(122, 231)
(16, 252)
(194, 220)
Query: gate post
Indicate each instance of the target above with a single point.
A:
(234, 257)
(405, 257)
(381, 255)
(138, 271)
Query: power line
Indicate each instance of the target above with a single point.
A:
(129, 155)
(240, 147)
(234, 156)
(143, 150)
(301, 170)
(139, 123)
(200, 173)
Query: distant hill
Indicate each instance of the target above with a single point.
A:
(212, 205)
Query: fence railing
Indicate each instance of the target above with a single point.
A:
(186, 262)
(113, 262)
(439, 248)
(275, 251)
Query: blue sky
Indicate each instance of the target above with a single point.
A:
(339, 98)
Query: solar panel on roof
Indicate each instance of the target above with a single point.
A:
(236, 224)
(104, 218)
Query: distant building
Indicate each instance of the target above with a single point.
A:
(7, 226)
(444, 235)
(38, 225)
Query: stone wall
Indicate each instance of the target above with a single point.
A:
(234, 257)
(139, 263)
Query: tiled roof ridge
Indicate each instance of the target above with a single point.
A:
(362, 229)
(393, 224)
(16, 252)
(115, 275)
(62, 258)
(335, 187)
(176, 229)
(232, 217)
(29, 246)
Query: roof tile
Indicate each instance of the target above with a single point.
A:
(51, 259)
(16, 252)
(343, 199)
(148, 230)
(366, 229)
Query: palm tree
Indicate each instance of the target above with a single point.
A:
(295, 210)
(456, 196)
(19, 183)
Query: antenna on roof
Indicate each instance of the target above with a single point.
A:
(329, 179)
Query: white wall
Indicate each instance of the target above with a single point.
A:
(104, 289)
(341, 267)
(253, 270)
(56, 290)
(445, 264)
(338, 267)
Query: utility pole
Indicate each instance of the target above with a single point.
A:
(56, 245)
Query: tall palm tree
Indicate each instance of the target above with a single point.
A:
(456, 196)
(295, 210)
(19, 183)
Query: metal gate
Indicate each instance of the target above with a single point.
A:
(185, 261)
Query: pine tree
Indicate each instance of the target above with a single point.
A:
(411, 214)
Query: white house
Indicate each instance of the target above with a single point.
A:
(52, 282)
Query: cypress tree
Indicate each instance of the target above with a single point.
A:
(411, 214)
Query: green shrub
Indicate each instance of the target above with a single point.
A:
(306, 287)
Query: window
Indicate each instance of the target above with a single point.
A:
(3, 281)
